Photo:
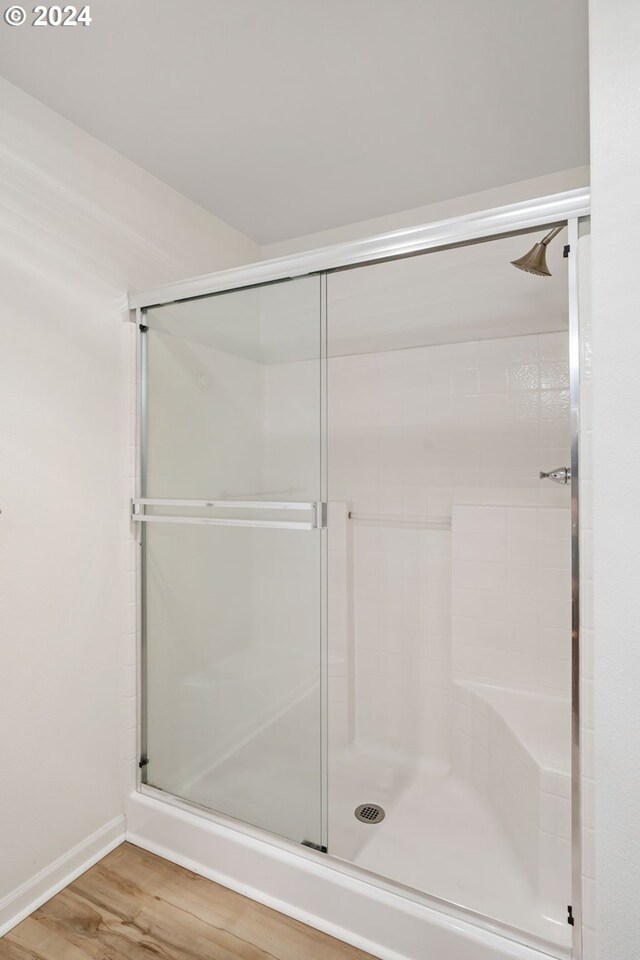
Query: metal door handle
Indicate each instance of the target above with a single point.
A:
(316, 521)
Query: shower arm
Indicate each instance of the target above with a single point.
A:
(552, 233)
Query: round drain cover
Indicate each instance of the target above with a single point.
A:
(369, 813)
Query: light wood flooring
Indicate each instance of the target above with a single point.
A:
(133, 905)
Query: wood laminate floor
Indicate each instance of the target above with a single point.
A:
(133, 905)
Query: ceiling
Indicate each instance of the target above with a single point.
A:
(286, 117)
(448, 296)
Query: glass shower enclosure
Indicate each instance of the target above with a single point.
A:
(356, 590)
(233, 534)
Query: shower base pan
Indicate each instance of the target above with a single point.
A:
(385, 919)
(439, 834)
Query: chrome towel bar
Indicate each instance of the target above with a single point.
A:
(316, 521)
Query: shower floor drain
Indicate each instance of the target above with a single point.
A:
(369, 813)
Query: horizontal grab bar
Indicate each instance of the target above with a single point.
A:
(317, 511)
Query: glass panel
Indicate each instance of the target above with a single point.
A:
(449, 573)
(233, 620)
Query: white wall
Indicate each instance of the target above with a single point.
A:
(615, 117)
(80, 226)
(458, 206)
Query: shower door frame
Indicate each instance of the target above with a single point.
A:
(568, 208)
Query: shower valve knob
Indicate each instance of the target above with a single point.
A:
(559, 475)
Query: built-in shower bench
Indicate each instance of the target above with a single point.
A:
(514, 747)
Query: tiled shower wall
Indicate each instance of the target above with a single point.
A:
(474, 422)
(402, 632)
(511, 596)
(414, 434)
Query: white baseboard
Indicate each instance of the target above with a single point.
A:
(59, 874)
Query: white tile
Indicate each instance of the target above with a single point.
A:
(554, 584)
(435, 621)
(555, 674)
(554, 643)
(464, 382)
(552, 346)
(554, 552)
(493, 378)
(555, 613)
(557, 784)
(522, 550)
(524, 407)
(554, 374)
(554, 524)
(524, 375)
(479, 576)
(338, 689)
(481, 547)
(482, 604)
(479, 519)
(522, 580)
(554, 405)
(523, 348)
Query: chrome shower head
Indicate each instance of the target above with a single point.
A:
(535, 261)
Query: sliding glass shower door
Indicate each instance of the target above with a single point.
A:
(232, 520)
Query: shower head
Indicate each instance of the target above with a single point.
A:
(536, 260)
